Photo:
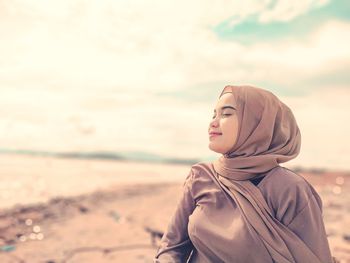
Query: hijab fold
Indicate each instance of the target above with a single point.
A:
(267, 134)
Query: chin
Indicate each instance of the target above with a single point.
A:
(215, 149)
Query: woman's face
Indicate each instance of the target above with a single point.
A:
(224, 125)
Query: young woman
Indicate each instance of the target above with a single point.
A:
(245, 207)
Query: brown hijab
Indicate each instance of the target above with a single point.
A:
(268, 135)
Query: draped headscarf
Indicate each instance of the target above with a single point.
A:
(268, 135)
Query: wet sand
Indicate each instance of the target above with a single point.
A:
(99, 227)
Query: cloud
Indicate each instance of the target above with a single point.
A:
(285, 10)
(298, 24)
(133, 46)
(130, 75)
(130, 45)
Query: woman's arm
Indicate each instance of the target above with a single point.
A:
(175, 245)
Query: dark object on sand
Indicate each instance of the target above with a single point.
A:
(346, 237)
(154, 234)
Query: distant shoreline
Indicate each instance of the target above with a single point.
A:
(102, 155)
(142, 157)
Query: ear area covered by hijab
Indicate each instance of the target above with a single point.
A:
(268, 134)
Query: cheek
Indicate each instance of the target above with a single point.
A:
(231, 126)
(227, 139)
(227, 126)
(229, 131)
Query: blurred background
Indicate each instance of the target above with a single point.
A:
(93, 90)
(141, 79)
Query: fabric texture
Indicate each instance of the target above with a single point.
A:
(208, 225)
(268, 135)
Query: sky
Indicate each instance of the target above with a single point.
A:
(138, 75)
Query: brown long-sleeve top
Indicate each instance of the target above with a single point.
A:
(207, 225)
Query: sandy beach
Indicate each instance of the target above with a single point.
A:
(106, 211)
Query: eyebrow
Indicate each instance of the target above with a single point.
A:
(226, 107)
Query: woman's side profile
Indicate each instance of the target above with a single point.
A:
(245, 206)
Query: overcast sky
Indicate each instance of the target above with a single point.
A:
(145, 75)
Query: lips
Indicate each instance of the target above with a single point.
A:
(214, 134)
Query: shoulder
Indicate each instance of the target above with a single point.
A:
(199, 179)
(286, 192)
(281, 179)
(195, 172)
(201, 171)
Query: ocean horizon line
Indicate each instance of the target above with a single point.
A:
(104, 155)
(138, 156)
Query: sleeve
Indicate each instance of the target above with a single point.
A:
(309, 226)
(175, 245)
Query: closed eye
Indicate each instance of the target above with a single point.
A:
(227, 114)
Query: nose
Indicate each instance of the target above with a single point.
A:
(214, 123)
